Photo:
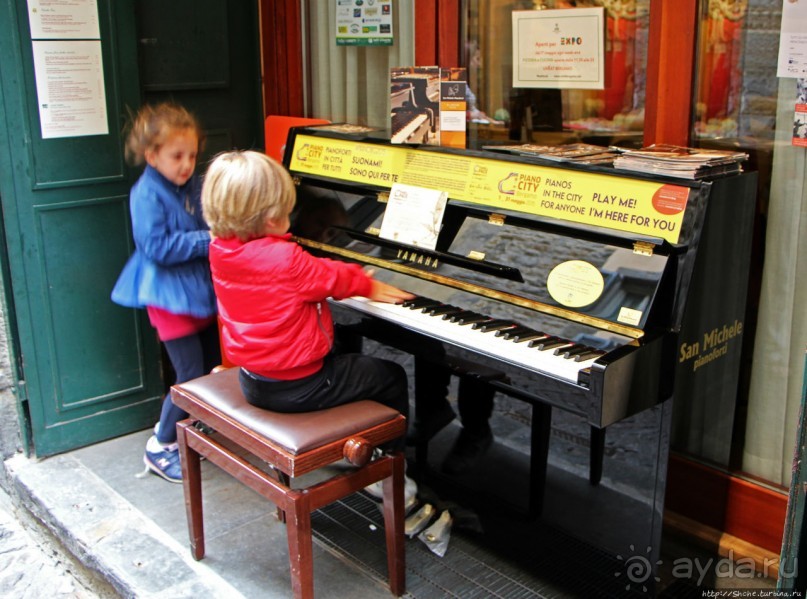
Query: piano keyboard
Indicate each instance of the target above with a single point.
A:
(501, 339)
(405, 132)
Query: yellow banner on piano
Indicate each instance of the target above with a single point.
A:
(631, 205)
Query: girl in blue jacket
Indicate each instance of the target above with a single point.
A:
(169, 274)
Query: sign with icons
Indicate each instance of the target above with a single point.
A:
(363, 22)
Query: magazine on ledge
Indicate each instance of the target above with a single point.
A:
(580, 153)
(679, 161)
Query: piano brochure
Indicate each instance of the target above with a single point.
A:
(414, 215)
(678, 161)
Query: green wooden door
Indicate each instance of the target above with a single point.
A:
(86, 369)
(205, 54)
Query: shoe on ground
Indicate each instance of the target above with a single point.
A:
(423, 431)
(164, 463)
(466, 453)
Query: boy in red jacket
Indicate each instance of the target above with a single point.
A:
(276, 324)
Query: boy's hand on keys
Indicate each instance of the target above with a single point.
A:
(381, 292)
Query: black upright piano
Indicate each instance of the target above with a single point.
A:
(582, 289)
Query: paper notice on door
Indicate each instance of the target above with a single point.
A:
(64, 19)
(70, 88)
(414, 215)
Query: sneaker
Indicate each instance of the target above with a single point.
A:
(164, 463)
(467, 452)
(423, 431)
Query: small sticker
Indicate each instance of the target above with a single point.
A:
(575, 283)
(629, 316)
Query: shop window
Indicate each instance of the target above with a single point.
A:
(614, 115)
(742, 104)
(350, 84)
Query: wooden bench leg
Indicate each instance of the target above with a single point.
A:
(301, 553)
(285, 480)
(192, 483)
(394, 526)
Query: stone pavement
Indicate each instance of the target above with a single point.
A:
(31, 567)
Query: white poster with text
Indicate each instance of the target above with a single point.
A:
(70, 88)
(562, 49)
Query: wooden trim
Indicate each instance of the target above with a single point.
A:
(437, 33)
(426, 32)
(728, 503)
(282, 57)
(448, 32)
(670, 71)
(725, 545)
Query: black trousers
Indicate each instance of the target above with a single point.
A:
(474, 397)
(344, 378)
(191, 357)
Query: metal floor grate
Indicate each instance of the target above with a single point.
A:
(534, 561)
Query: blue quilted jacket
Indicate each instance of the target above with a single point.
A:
(169, 268)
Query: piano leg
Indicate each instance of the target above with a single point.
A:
(539, 455)
(596, 453)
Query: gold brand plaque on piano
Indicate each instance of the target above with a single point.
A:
(631, 205)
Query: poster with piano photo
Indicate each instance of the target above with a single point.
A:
(415, 105)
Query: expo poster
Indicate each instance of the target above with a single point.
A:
(561, 49)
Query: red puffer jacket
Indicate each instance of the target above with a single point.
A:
(271, 296)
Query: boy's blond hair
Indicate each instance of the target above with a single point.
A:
(242, 190)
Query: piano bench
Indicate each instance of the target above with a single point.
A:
(292, 445)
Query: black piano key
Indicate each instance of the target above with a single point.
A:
(521, 338)
(427, 307)
(546, 346)
(418, 302)
(450, 315)
(424, 305)
(544, 339)
(457, 315)
(471, 318)
(493, 325)
(548, 343)
(514, 330)
(440, 310)
(594, 353)
(570, 352)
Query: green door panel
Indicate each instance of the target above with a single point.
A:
(88, 332)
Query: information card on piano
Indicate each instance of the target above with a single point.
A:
(414, 215)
